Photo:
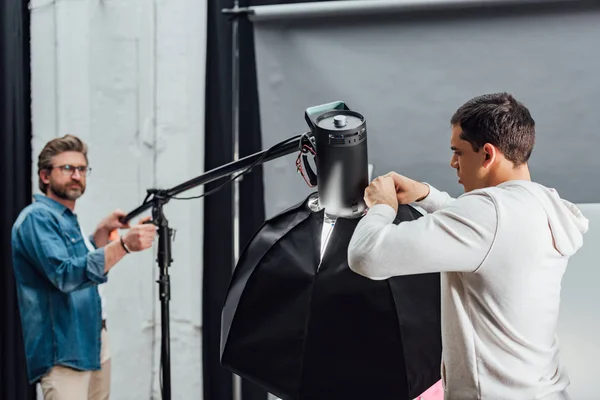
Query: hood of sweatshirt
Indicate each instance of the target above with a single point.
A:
(566, 221)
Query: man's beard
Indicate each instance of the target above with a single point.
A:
(71, 191)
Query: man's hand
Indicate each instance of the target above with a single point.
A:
(112, 221)
(408, 190)
(381, 191)
(107, 225)
(140, 236)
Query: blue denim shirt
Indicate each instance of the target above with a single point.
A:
(57, 278)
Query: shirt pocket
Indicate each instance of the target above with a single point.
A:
(75, 243)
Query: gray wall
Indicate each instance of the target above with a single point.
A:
(407, 72)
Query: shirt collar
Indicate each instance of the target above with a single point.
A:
(51, 203)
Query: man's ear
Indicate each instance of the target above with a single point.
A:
(490, 153)
(45, 176)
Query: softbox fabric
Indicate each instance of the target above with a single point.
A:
(306, 327)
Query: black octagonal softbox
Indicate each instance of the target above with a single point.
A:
(309, 328)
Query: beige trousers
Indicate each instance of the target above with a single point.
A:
(64, 383)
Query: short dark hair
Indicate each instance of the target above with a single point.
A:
(500, 120)
(54, 148)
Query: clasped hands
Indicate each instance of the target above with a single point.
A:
(393, 189)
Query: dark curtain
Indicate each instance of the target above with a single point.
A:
(218, 218)
(15, 145)
(218, 222)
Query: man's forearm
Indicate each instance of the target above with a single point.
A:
(425, 192)
(113, 253)
(434, 200)
(101, 237)
(380, 249)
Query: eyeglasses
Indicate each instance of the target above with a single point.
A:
(69, 170)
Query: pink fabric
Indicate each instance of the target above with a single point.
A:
(436, 392)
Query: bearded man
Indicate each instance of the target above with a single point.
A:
(58, 273)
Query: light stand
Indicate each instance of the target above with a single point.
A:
(235, 131)
(164, 284)
(156, 199)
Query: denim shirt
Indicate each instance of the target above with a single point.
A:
(57, 278)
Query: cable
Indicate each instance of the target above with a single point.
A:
(247, 170)
(300, 169)
(306, 146)
(148, 199)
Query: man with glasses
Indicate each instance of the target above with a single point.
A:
(59, 271)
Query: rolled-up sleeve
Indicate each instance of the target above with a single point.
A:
(43, 243)
(92, 241)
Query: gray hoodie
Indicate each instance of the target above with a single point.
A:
(502, 252)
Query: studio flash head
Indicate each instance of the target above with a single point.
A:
(340, 139)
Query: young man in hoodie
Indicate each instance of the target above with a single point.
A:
(502, 249)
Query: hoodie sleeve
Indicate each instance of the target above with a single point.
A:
(455, 238)
(434, 200)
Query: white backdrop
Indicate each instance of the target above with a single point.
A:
(128, 77)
